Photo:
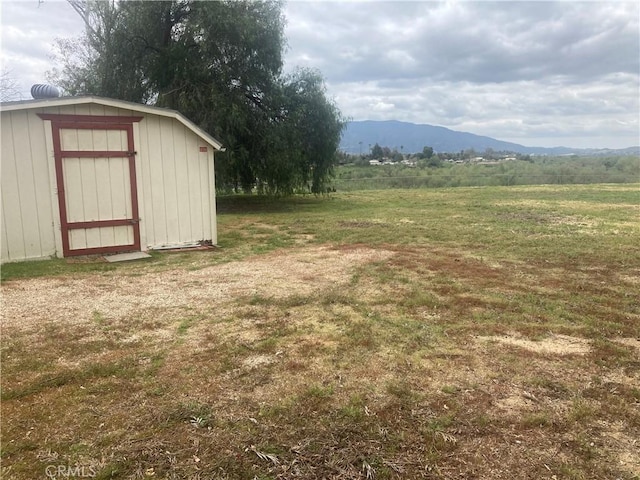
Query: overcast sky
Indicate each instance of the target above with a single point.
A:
(536, 73)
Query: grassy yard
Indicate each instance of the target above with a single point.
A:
(485, 333)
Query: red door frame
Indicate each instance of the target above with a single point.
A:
(91, 122)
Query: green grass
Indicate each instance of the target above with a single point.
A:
(56, 266)
(361, 334)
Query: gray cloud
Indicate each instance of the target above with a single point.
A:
(29, 29)
(540, 73)
(477, 42)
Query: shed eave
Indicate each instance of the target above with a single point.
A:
(110, 102)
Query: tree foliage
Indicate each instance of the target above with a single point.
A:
(9, 89)
(427, 152)
(220, 64)
(377, 152)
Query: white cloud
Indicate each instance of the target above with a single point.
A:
(562, 71)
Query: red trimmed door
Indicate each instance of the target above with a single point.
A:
(96, 177)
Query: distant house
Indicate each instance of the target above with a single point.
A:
(90, 175)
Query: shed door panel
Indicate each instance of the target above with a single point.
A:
(74, 139)
(97, 188)
(95, 166)
(100, 237)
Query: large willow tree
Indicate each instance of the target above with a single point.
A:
(220, 64)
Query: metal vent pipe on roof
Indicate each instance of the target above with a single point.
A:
(40, 90)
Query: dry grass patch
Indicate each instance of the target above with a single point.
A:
(442, 353)
(630, 342)
(555, 344)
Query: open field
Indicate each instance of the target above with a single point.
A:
(470, 333)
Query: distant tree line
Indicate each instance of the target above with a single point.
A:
(532, 171)
(220, 64)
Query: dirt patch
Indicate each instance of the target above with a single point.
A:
(626, 448)
(515, 403)
(629, 342)
(361, 223)
(256, 361)
(32, 302)
(555, 344)
(632, 279)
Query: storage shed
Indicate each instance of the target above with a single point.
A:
(91, 175)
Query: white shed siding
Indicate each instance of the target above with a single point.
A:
(177, 196)
(89, 109)
(44, 198)
(53, 186)
(27, 218)
(4, 241)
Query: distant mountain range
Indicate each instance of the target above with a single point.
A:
(358, 136)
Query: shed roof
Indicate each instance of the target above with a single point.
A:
(111, 102)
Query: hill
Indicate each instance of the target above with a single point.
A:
(413, 137)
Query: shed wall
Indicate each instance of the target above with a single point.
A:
(177, 189)
(27, 198)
